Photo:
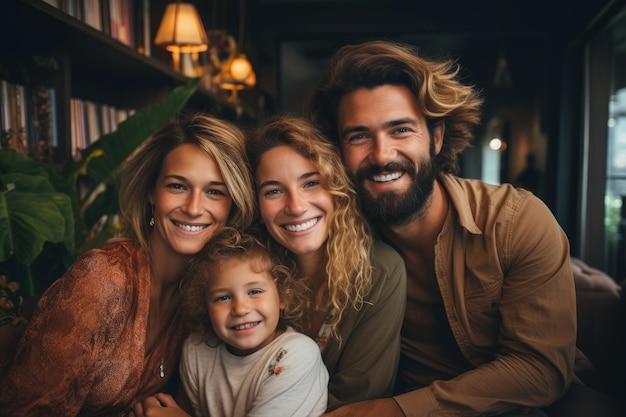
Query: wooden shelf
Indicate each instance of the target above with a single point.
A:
(92, 65)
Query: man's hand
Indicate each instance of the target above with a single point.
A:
(160, 405)
(373, 408)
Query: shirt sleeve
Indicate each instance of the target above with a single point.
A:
(368, 361)
(533, 364)
(189, 369)
(297, 384)
(67, 337)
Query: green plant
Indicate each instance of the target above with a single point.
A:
(47, 218)
(10, 302)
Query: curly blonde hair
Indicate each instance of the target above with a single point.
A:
(348, 270)
(440, 96)
(232, 244)
(221, 140)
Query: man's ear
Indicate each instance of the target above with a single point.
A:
(438, 133)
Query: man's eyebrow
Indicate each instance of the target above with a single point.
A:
(402, 121)
(386, 125)
(352, 129)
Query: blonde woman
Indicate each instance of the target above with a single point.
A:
(109, 332)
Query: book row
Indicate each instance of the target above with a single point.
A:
(28, 121)
(127, 21)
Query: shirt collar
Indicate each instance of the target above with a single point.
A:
(458, 198)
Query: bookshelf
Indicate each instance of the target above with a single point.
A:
(91, 64)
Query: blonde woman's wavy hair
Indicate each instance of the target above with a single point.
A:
(231, 244)
(348, 267)
(221, 140)
(439, 94)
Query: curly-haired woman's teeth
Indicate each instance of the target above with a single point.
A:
(303, 226)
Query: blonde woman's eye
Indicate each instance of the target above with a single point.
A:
(176, 186)
(272, 192)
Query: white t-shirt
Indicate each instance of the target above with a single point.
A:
(285, 378)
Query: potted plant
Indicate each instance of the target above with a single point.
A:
(48, 218)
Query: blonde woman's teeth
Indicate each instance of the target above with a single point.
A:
(189, 228)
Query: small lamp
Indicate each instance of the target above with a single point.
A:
(182, 31)
(237, 74)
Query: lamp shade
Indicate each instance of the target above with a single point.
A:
(181, 29)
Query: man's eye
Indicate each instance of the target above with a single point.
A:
(358, 137)
(255, 292)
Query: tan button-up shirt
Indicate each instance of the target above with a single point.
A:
(503, 268)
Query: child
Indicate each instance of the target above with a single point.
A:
(245, 360)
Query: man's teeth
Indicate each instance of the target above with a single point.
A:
(301, 227)
(246, 326)
(189, 228)
(388, 177)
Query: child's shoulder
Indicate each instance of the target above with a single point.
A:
(294, 350)
(297, 342)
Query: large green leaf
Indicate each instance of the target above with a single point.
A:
(40, 215)
(106, 155)
(32, 213)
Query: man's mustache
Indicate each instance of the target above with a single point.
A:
(394, 166)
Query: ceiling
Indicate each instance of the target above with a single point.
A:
(291, 40)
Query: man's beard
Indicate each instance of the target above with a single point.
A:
(390, 207)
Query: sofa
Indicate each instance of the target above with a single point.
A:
(601, 316)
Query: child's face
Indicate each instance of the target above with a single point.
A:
(244, 307)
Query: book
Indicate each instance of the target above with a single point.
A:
(92, 13)
(42, 123)
(5, 116)
(92, 122)
(142, 27)
(53, 3)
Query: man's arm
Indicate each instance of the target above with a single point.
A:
(533, 308)
(373, 408)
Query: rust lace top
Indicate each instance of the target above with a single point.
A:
(83, 352)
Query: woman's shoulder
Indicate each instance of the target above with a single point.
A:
(386, 257)
(116, 254)
(389, 273)
(109, 267)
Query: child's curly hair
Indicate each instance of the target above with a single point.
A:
(246, 247)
